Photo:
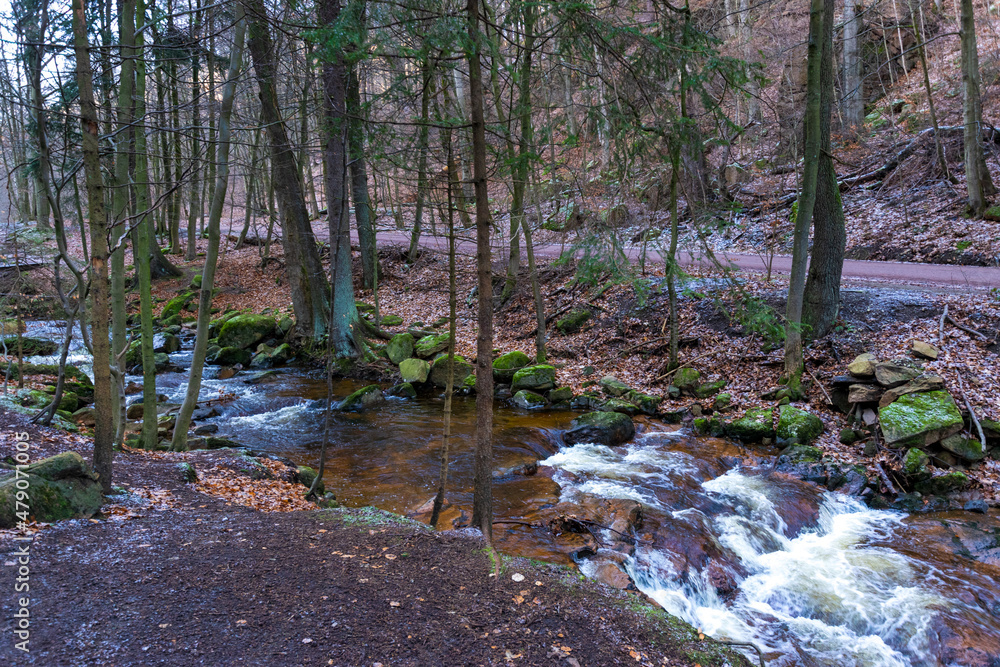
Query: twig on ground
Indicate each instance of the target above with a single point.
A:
(885, 479)
(972, 413)
(944, 316)
(968, 330)
(819, 384)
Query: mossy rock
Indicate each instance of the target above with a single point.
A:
(797, 426)
(713, 426)
(52, 370)
(170, 344)
(507, 364)
(573, 321)
(364, 307)
(756, 425)
(613, 387)
(59, 487)
(944, 484)
(710, 389)
(803, 453)
(561, 394)
(30, 346)
(195, 282)
(541, 377)
(991, 429)
(428, 346)
(362, 399)
(305, 476)
(920, 419)
(174, 306)
(245, 331)
(283, 354)
(70, 402)
(687, 379)
(529, 400)
(414, 370)
(848, 436)
(915, 464)
(618, 405)
(391, 321)
(402, 390)
(400, 348)
(230, 356)
(439, 371)
(722, 401)
(646, 403)
(969, 449)
(603, 428)
(285, 325)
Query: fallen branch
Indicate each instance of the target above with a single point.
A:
(966, 329)
(686, 364)
(885, 479)
(819, 384)
(760, 654)
(944, 316)
(972, 413)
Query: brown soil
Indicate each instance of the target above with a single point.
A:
(176, 577)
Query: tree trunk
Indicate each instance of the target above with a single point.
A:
(33, 54)
(482, 502)
(359, 181)
(104, 428)
(194, 209)
(977, 176)
(179, 442)
(305, 272)
(853, 107)
(423, 145)
(821, 300)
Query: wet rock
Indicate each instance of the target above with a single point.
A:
(964, 447)
(710, 389)
(400, 348)
(573, 321)
(402, 390)
(170, 344)
(84, 417)
(222, 443)
(30, 346)
(529, 400)
(797, 426)
(541, 377)
(687, 379)
(262, 359)
(612, 387)
(864, 393)
(618, 405)
(428, 346)
(755, 426)
(924, 382)
(283, 354)
(645, 403)
(863, 366)
(920, 419)
(305, 475)
(943, 484)
(244, 331)
(612, 575)
(561, 395)
(229, 372)
(439, 371)
(803, 454)
(206, 429)
(507, 364)
(285, 325)
(924, 350)
(896, 372)
(362, 399)
(414, 370)
(230, 356)
(714, 426)
(978, 506)
(502, 392)
(915, 464)
(59, 487)
(604, 428)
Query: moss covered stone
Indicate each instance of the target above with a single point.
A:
(362, 399)
(942, 484)
(391, 321)
(30, 346)
(848, 436)
(400, 348)
(754, 426)
(920, 419)
(964, 447)
(561, 394)
(573, 321)
(803, 453)
(428, 346)
(618, 405)
(283, 354)
(722, 401)
(613, 387)
(603, 428)
(687, 379)
(797, 426)
(540, 377)
(414, 370)
(402, 390)
(646, 403)
(174, 306)
(529, 400)
(246, 330)
(230, 356)
(507, 364)
(439, 370)
(915, 464)
(59, 487)
(305, 476)
(710, 388)
(713, 426)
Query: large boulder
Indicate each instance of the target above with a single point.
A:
(400, 348)
(59, 487)
(797, 426)
(428, 346)
(245, 331)
(754, 426)
(603, 428)
(541, 377)
(439, 371)
(507, 364)
(943, 484)
(925, 382)
(970, 449)
(918, 420)
(230, 356)
(414, 370)
(362, 399)
(613, 387)
(30, 346)
(896, 372)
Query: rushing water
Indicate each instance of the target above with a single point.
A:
(750, 555)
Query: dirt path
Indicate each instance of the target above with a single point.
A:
(932, 275)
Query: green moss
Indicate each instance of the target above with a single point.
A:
(942, 484)
(400, 348)
(803, 453)
(798, 426)
(391, 321)
(920, 419)
(428, 346)
(754, 426)
(529, 400)
(439, 370)
(245, 331)
(507, 364)
(687, 379)
(537, 378)
(915, 464)
(361, 399)
(710, 389)
(573, 321)
(175, 305)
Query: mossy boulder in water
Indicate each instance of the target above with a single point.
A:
(940, 485)
(30, 346)
(603, 428)
(561, 394)
(414, 370)
(400, 348)
(246, 330)
(920, 419)
(428, 346)
(541, 377)
(439, 371)
(230, 356)
(402, 390)
(507, 364)
(646, 403)
(797, 426)
(362, 399)
(803, 453)
(59, 487)
(756, 425)
(529, 400)
(283, 354)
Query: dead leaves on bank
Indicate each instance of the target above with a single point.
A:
(266, 495)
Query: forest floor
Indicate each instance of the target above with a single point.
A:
(218, 573)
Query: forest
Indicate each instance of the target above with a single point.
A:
(500, 332)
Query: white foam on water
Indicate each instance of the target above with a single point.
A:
(276, 420)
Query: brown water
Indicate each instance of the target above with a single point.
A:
(812, 578)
